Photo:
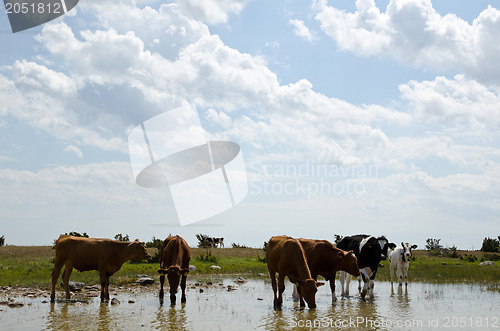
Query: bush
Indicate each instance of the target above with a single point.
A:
(450, 252)
(154, 243)
(2, 240)
(203, 241)
(490, 245)
(239, 246)
(469, 257)
(338, 238)
(491, 257)
(207, 257)
(433, 246)
(120, 237)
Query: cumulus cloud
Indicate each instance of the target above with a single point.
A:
(415, 34)
(453, 102)
(212, 11)
(301, 30)
(74, 150)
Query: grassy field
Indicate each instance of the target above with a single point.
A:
(31, 266)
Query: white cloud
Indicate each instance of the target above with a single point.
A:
(109, 183)
(301, 30)
(459, 102)
(212, 11)
(74, 150)
(415, 34)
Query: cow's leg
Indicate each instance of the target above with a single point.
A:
(371, 285)
(173, 291)
(406, 273)
(332, 287)
(295, 293)
(104, 286)
(365, 288)
(342, 280)
(301, 298)
(347, 282)
(399, 274)
(272, 274)
(183, 288)
(359, 284)
(391, 271)
(281, 289)
(68, 268)
(55, 276)
(162, 281)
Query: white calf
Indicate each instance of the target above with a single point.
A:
(399, 258)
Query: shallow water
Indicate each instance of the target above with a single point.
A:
(420, 306)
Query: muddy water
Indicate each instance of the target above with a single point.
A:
(249, 307)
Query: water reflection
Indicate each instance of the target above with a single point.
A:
(170, 318)
(103, 320)
(250, 307)
(401, 301)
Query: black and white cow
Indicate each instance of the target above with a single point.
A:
(214, 242)
(399, 258)
(369, 251)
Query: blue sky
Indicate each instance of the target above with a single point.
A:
(376, 117)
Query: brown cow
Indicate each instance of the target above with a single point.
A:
(174, 262)
(286, 257)
(104, 255)
(325, 260)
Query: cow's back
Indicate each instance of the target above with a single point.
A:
(274, 250)
(85, 253)
(175, 252)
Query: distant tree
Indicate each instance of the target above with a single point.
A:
(235, 245)
(433, 246)
(2, 240)
(120, 237)
(490, 245)
(203, 241)
(265, 245)
(154, 243)
(77, 234)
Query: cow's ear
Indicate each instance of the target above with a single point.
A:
(370, 246)
(414, 246)
(392, 245)
(184, 272)
(318, 284)
(342, 254)
(402, 244)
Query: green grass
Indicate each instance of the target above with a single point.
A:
(28, 266)
(431, 269)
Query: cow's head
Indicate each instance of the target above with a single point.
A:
(406, 253)
(307, 289)
(139, 251)
(349, 263)
(385, 245)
